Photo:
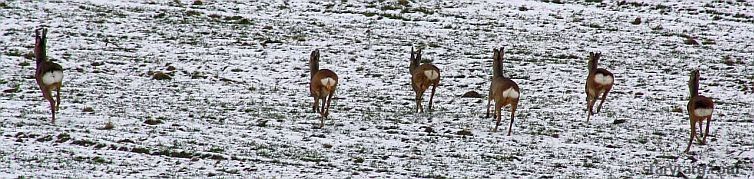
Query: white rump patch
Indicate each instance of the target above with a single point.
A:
(603, 79)
(52, 77)
(510, 93)
(701, 112)
(431, 74)
(328, 81)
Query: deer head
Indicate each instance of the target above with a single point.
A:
(40, 46)
(496, 63)
(314, 62)
(694, 83)
(416, 57)
(594, 60)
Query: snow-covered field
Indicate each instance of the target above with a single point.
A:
(238, 105)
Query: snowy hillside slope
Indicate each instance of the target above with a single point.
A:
(238, 105)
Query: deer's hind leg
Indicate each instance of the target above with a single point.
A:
(48, 96)
(489, 100)
(57, 107)
(498, 110)
(315, 108)
(432, 96)
(514, 104)
(706, 131)
(604, 97)
(693, 133)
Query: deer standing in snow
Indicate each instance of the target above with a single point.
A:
(321, 87)
(503, 90)
(599, 81)
(699, 108)
(49, 75)
(422, 76)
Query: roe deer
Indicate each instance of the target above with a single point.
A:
(422, 76)
(49, 75)
(599, 81)
(321, 87)
(699, 107)
(503, 90)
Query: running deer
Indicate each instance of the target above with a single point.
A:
(322, 86)
(699, 107)
(599, 81)
(422, 76)
(49, 75)
(503, 90)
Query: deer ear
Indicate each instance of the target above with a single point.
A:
(412, 54)
(502, 53)
(39, 36)
(418, 55)
(314, 55)
(494, 54)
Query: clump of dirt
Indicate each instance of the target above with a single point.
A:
(471, 94)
